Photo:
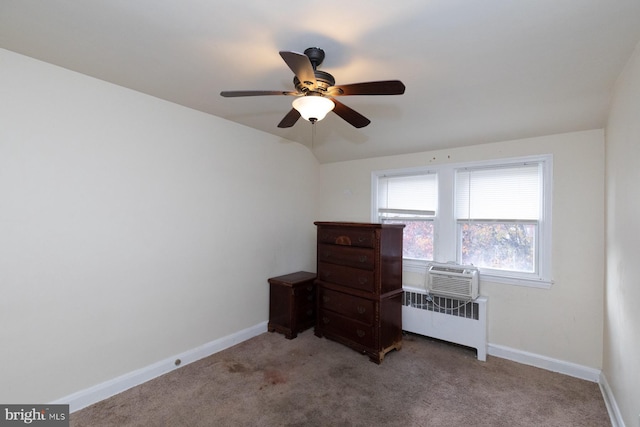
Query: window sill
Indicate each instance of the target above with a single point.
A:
(516, 281)
(415, 266)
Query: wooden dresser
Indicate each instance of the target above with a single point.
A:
(359, 286)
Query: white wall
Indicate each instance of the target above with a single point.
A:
(564, 322)
(622, 316)
(132, 229)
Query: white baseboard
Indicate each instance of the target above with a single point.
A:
(544, 362)
(610, 403)
(96, 393)
(567, 368)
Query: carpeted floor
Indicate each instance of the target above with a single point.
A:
(311, 381)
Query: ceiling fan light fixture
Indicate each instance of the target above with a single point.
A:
(313, 107)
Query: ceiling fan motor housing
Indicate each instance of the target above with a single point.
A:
(324, 81)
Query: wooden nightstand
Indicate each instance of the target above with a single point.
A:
(292, 306)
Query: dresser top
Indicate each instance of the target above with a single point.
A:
(357, 224)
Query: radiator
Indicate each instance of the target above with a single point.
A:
(447, 319)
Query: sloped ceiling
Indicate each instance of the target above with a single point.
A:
(475, 71)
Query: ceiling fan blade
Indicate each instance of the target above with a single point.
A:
(301, 67)
(290, 119)
(350, 115)
(385, 87)
(236, 93)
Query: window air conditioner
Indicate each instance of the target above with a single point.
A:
(453, 281)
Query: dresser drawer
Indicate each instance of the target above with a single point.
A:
(344, 255)
(364, 238)
(354, 278)
(360, 309)
(348, 328)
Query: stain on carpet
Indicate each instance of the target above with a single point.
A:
(238, 368)
(274, 377)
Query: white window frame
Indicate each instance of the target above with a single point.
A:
(446, 227)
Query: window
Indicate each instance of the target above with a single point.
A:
(497, 214)
(494, 215)
(410, 200)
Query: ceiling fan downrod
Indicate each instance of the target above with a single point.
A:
(315, 55)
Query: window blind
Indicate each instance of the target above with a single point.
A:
(506, 193)
(414, 195)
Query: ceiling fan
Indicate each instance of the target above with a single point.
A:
(316, 91)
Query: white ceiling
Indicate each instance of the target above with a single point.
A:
(475, 71)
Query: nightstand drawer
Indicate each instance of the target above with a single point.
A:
(305, 293)
(305, 315)
(360, 309)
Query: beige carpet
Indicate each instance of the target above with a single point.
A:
(311, 381)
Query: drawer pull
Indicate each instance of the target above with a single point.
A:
(326, 254)
(363, 258)
(326, 274)
(362, 239)
(325, 320)
(343, 240)
(310, 288)
(361, 309)
(325, 298)
(360, 333)
(362, 280)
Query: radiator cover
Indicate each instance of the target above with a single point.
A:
(447, 319)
